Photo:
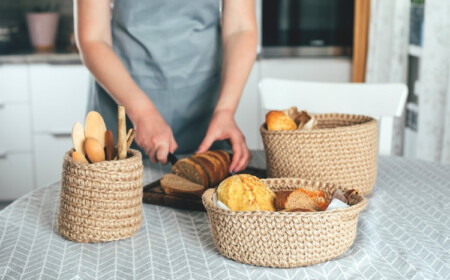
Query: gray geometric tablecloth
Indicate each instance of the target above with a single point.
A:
(403, 234)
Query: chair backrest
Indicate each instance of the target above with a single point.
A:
(380, 101)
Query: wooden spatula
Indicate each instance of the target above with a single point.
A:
(110, 147)
(78, 138)
(95, 127)
(121, 133)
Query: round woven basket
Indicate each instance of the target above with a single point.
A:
(101, 201)
(284, 239)
(342, 149)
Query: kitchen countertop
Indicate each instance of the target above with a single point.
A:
(30, 57)
(402, 234)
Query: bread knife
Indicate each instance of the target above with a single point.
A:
(172, 158)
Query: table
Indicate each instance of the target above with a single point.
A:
(403, 234)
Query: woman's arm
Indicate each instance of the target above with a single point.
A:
(239, 37)
(93, 34)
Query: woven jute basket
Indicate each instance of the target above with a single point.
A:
(342, 149)
(284, 239)
(101, 201)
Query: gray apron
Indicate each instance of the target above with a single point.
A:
(172, 50)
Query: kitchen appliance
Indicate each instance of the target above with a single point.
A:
(307, 27)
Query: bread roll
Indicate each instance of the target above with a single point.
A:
(245, 193)
(277, 120)
(301, 198)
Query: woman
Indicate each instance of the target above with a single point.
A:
(179, 68)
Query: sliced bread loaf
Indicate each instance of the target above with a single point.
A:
(172, 183)
(212, 166)
(189, 169)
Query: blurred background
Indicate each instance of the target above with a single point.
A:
(44, 86)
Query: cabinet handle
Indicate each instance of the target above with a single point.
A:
(2, 103)
(3, 154)
(60, 133)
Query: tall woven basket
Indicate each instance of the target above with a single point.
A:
(101, 201)
(342, 149)
(284, 239)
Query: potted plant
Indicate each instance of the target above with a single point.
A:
(42, 20)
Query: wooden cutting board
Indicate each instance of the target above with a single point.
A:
(154, 194)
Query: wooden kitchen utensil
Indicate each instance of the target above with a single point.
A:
(95, 127)
(94, 150)
(79, 157)
(121, 133)
(110, 146)
(130, 137)
(78, 138)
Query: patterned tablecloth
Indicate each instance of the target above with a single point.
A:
(403, 233)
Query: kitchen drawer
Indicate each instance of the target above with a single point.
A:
(13, 83)
(308, 69)
(49, 154)
(16, 175)
(59, 96)
(15, 124)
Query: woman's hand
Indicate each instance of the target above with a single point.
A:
(222, 127)
(154, 136)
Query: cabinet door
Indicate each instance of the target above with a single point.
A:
(16, 173)
(13, 83)
(308, 69)
(247, 112)
(15, 132)
(59, 96)
(49, 154)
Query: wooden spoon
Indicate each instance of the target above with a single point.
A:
(110, 146)
(95, 127)
(78, 138)
(121, 133)
(94, 150)
(79, 157)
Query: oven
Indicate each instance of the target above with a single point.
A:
(306, 27)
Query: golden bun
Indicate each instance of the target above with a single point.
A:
(245, 192)
(277, 120)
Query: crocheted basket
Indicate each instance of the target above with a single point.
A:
(342, 149)
(284, 239)
(101, 201)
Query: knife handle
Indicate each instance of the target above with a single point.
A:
(172, 158)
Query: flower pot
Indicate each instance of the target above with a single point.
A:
(42, 28)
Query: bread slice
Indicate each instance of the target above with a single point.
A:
(301, 198)
(174, 184)
(189, 169)
(206, 166)
(224, 162)
(224, 155)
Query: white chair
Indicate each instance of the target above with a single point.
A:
(380, 101)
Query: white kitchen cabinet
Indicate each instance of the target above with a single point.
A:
(308, 69)
(13, 83)
(59, 98)
(49, 154)
(247, 111)
(16, 158)
(16, 173)
(15, 133)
